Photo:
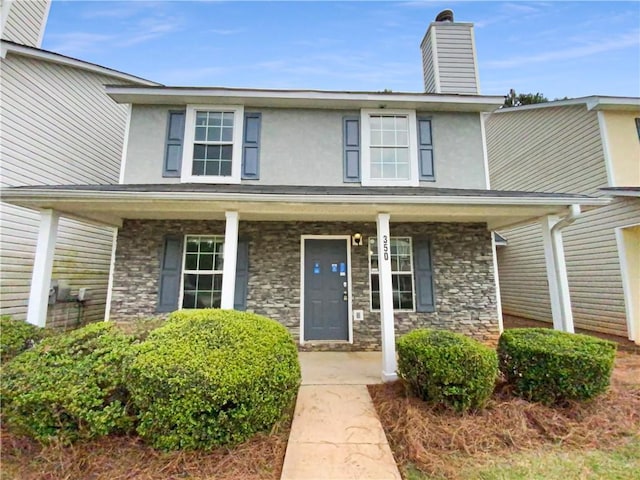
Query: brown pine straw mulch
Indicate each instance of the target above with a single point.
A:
(120, 458)
(438, 442)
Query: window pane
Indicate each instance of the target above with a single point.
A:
(218, 262)
(201, 118)
(376, 137)
(388, 138)
(203, 299)
(402, 138)
(216, 300)
(402, 171)
(190, 282)
(198, 168)
(376, 171)
(191, 262)
(228, 119)
(207, 245)
(213, 152)
(388, 123)
(206, 262)
(217, 282)
(199, 151)
(388, 171)
(201, 134)
(227, 134)
(214, 134)
(225, 169)
(215, 119)
(213, 168)
(226, 152)
(205, 282)
(375, 122)
(189, 300)
(192, 245)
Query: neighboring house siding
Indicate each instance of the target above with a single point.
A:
(305, 147)
(546, 150)
(559, 149)
(623, 147)
(593, 268)
(25, 21)
(58, 127)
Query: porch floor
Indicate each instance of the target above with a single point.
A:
(336, 433)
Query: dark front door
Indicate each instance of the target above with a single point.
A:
(326, 305)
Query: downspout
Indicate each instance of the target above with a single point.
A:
(561, 267)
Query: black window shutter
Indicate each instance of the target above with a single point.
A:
(175, 139)
(170, 271)
(423, 271)
(351, 135)
(425, 150)
(242, 276)
(251, 146)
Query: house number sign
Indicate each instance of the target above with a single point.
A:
(385, 247)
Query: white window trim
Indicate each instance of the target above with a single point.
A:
(413, 276)
(184, 270)
(367, 181)
(189, 136)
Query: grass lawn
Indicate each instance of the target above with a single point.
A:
(514, 439)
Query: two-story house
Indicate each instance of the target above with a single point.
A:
(57, 127)
(582, 145)
(349, 217)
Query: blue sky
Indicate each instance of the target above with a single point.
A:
(557, 48)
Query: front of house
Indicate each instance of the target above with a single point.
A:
(350, 217)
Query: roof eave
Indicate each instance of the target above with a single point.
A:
(303, 98)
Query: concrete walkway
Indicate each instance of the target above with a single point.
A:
(336, 433)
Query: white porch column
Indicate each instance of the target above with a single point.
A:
(42, 267)
(230, 258)
(557, 275)
(389, 362)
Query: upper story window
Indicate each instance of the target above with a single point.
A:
(389, 148)
(213, 144)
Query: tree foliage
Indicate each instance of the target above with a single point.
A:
(514, 99)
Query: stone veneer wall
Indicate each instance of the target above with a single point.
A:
(462, 261)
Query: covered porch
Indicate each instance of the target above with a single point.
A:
(294, 214)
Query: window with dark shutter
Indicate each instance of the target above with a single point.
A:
(425, 150)
(423, 271)
(175, 139)
(170, 271)
(251, 146)
(351, 135)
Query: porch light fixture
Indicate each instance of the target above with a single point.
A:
(356, 240)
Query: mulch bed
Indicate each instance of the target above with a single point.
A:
(120, 458)
(438, 442)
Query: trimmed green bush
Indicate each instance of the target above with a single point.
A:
(550, 367)
(17, 336)
(70, 386)
(447, 368)
(213, 377)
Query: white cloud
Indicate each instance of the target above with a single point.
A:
(631, 39)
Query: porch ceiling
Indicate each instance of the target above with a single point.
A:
(111, 204)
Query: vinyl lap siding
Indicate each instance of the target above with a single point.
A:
(593, 268)
(24, 21)
(428, 67)
(546, 150)
(72, 134)
(456, 64)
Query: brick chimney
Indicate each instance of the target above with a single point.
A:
(449, 61)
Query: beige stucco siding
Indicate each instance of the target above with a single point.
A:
(25, 21)
(593, 267)
(58, 127)
(305, 147)
(623, 147)
(546, 150)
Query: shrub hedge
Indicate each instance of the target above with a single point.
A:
(447, 368)
(212, 377)
(70, 386)
(17, 336)
(550, 367)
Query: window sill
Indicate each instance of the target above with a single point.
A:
(210, 179)
(390, 183)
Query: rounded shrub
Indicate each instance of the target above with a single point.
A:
(17, 336)
(447, 368)
(549, 366)
(70, 386)
(212, 377)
